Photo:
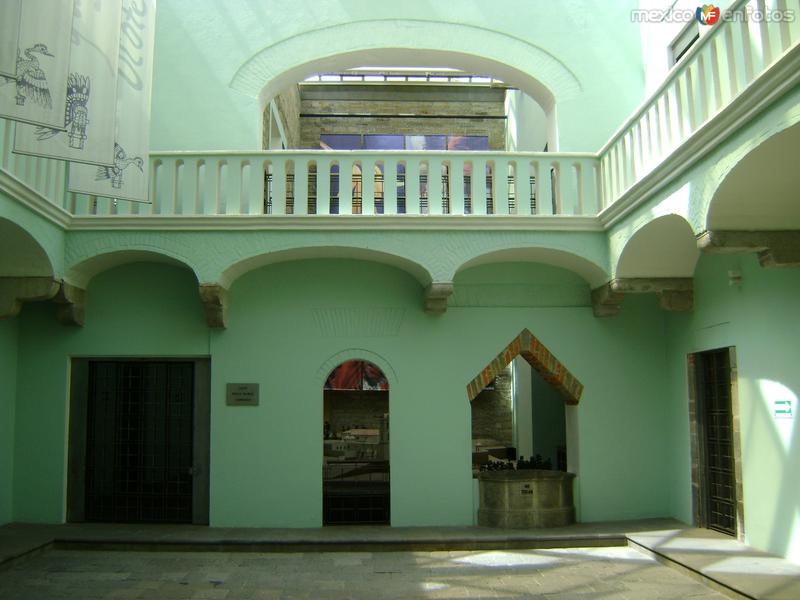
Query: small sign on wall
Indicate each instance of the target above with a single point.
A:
(241, 394)
(782, 409)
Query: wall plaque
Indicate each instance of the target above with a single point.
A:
(241, 394)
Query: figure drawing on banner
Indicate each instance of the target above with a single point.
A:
(121, 162)
(31, 80)
(76, 113)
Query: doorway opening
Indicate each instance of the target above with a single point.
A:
(523, 409)
(138, 445)
(355, 466)
(716, 449)
(519, 417)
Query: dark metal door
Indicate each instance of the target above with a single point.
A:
(717, 430)
(139, 442)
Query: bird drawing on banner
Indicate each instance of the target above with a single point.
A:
(76, 112)
(31, 80)
(121, 162)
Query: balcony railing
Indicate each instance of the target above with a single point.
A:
(367, 183)
(712, 73)
(716, 71)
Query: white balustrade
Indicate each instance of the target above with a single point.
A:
(712, 73)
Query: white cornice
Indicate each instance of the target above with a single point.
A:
(781, 77)
(338, 222)
(778, 79)
(33, 200)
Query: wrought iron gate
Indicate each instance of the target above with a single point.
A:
(139, 442)
(717, 440)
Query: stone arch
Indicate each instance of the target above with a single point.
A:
(21, 255)
(588, 270)
(758, 192)
(355, 354)
(663, 247)
(540, 358)
(236, 270)
(81, 273)
(389, 42)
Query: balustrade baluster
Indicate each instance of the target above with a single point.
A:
(346, 186)
(500, 170)
(390, 186)
(301, 185)
(323, 186)
(522, 187)
(368, 186)
(412, 186)
(435, 186)
(544, 188)
(278, 185)
(479, 185)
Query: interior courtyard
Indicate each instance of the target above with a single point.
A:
(385, 252)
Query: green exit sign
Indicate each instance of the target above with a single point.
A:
(782, 409)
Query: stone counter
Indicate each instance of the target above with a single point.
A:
(526, 498)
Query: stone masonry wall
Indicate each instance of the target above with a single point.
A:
(346, 410)
(403, 110)
(492, 415)
(288, 106)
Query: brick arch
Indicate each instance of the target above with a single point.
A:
(540, 358)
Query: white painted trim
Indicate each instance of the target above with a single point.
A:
(778, 79)
(33, 200)
(676, 69)
(479, 154)
(339, 222)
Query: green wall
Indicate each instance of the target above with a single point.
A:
(134, 310)
(8, 394)
(549, 424)
(286, 325)
(286, 320)
(201, 45)
(759, 318)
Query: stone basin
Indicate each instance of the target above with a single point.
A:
(526, 499)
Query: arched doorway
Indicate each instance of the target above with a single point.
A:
(355, 465)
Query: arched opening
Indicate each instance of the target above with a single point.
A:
(21, 255)
(520, 409)
(355, 466)
(664, 247)
(759, 193)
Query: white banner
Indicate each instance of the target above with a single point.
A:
(127, 179)
(87, 134)
(9, 34)
(39, 90)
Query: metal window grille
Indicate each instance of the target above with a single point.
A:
(379, 194)
(334, 188)
(401, 192)
(267, 193)
(312, 190)
(446, 193)
(357, 194)
(423, 194)
(489, 194)
(290, 193)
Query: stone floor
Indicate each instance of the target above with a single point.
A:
(574, 573)
(651, 558)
